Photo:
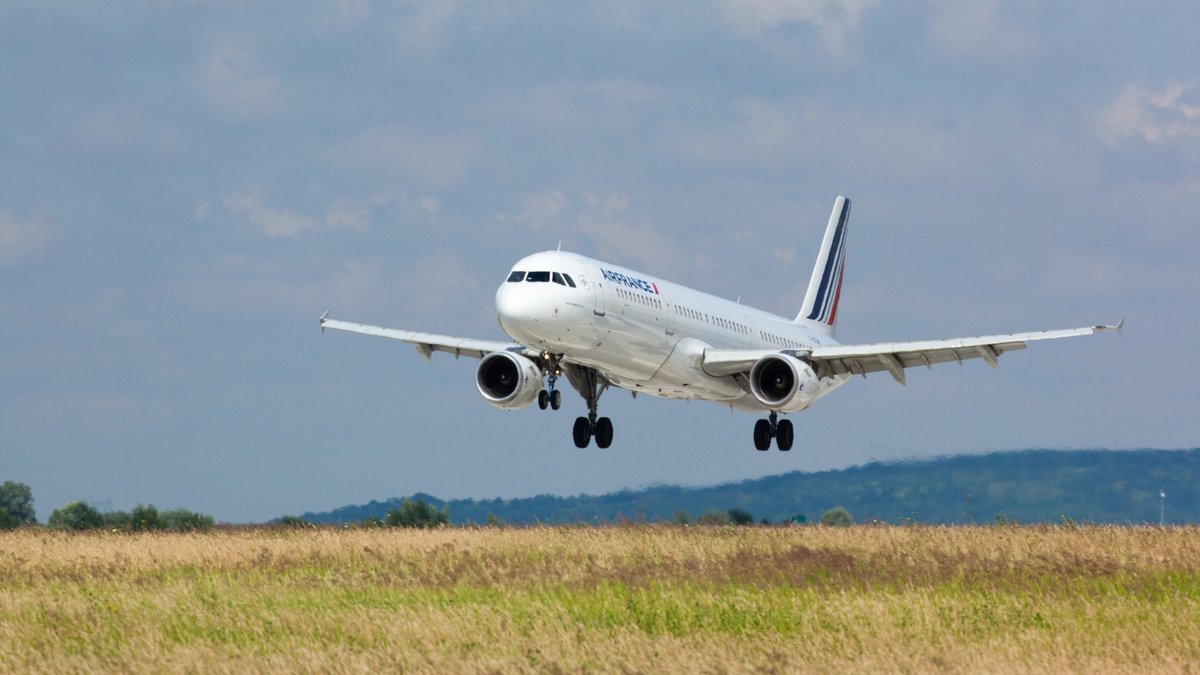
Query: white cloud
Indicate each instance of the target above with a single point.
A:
(396, 153)
(1074, 274)
(786, 133)
(274, 222)
(22, 240)
(232, 79)
(345, 213)
(980, 29)
(1166, 116)
(834, 18)
(122, 130)
(609, 220)
(541, 209)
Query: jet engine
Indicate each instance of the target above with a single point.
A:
(508, 380)
(784, 383)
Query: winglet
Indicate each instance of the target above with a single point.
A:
(323, 317)
(1121, 326)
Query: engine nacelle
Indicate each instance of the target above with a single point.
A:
(508, 380)
(784, 383)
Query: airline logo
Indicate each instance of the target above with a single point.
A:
(830, 291)
(640, 284)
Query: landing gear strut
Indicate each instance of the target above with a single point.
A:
(780, 430)
(590, 386)
(552, 366)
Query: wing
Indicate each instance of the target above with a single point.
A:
(428, 343)
(894, 357)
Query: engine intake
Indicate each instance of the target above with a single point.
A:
(508, 380)
(783, 383)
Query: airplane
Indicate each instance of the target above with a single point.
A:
(602, 325)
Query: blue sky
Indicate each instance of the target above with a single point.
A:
(186, 187)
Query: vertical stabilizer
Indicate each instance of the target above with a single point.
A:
(825, 287)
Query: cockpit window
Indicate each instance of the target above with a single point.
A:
(516, 276)
(558, 279)
(570, 282)
(537, 276)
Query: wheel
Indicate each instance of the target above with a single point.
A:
(556, 399)
(783, 435)
(543, 399)
(582, 432)
(604, 432)
(762, 435)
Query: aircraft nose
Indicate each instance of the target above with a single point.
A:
(514, 307)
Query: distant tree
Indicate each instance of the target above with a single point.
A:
(765, 521)
(17, 500)
(837, 516)
(76, 516)
(145, 517)
(8, 521)
(294, 521)
(714, 517)
(371, 521)
(417, 513)
(183, 520)
(682, 518)
(117, 520)
(493, 520)
(741, 517)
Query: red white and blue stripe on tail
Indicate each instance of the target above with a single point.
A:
(825, 286)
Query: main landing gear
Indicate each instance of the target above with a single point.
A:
(552, 366)
(590, 387)
(780, 430)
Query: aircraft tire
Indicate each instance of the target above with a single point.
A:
(582, 432)
(555, 399)
(762, 435)
(784, 435)
(543, 399)
(604, 432)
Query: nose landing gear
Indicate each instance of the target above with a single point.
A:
(780, 430)
(552, 366)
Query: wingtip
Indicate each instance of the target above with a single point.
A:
(323, 318)
(1120, 327)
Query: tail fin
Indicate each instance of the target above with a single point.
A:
(820, 306)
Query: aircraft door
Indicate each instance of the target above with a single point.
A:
(668, 311)
(591, 279)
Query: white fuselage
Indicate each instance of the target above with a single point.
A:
(642, 333)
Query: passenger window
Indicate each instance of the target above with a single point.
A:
(570, 281)
(516, 276)
(538, 276)
(558, 279)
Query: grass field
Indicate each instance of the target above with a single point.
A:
(637, 598)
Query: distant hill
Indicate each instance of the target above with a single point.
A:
(1029, 486)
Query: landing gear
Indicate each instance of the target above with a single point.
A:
(781, 431)
(552, 366)
(590, 386)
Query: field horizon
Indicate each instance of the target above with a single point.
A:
(615, 598)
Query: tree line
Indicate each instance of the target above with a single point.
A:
(1027, 486)
(16, 510)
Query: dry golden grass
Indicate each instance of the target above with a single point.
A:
(650, 598)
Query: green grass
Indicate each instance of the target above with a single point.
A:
(609, 599)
